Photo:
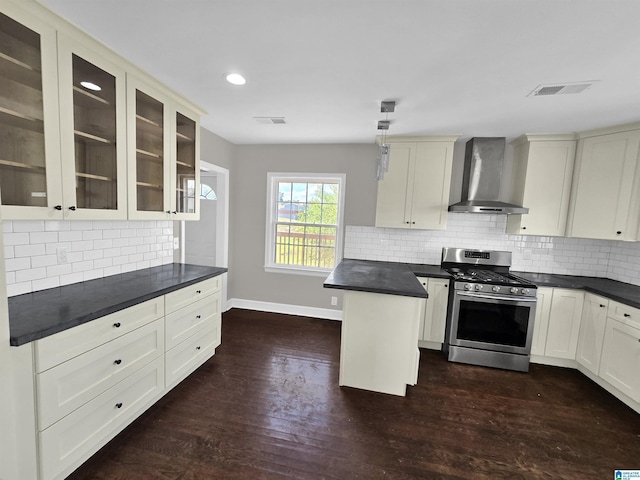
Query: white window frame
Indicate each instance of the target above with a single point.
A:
(270, 231)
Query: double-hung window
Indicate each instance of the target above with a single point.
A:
(304, 222)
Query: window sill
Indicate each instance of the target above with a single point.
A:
(298, 271)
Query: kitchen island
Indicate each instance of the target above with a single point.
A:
(382, 310)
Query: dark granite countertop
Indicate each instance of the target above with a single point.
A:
(40, 314)
(612, 289)
(376, 277)
(425, 270)
(399, 279)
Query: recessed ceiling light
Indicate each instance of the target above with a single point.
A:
(235, 79)
(91, 86)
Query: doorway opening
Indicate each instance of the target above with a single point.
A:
(206, 242)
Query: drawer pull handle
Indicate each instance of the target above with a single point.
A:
(58, 207)
(118, 362)
(119, 405)
(602, 306)
(116, 325)
(198, 347)
(198, 316)
(627, 315)
(198, 291)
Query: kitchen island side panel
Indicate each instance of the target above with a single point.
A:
(379, 344)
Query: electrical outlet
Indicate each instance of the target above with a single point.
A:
(526, 254)
(176, 243)
(334, 301)
(62, 255)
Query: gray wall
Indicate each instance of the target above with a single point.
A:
(216, 150)
(248, 185)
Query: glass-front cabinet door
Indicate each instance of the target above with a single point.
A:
(29, 128)
(93, 133)
(186, 169)
(148, 137)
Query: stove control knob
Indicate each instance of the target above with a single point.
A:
(514, 290)
(496, 288)
(478, 288)
(467, 286)
(525, 291)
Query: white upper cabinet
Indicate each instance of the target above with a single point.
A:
(163, 151)
(64, 120)
(149, 145)
(414, 193)
(29, 126)
(605, 199)
(542, 173)
(93, 133)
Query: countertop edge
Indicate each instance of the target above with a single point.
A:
(28, 337)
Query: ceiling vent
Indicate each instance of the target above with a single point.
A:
(270, 120)
(559, 89)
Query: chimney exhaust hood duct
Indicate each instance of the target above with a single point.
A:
(482, 178)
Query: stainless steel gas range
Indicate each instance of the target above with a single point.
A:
(490, 312)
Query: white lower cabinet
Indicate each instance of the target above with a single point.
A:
(592, 325)
(91, 381)
(541, 322)
(69, 442)
(68, 386)
(620, 361)
(193, 331)
(557, 323)
(435, 315)
(564, 323)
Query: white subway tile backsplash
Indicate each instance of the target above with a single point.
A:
(30, 274)
(568, 256)
(16, 239)
(29, 226)
(45, 283)
(43, 237)
(94, 249)
(15, 264)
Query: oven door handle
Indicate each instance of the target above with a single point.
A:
(498, 297)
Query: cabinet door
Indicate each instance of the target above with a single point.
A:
(186, 168)
(603, 205)
(29, 159)
(431, 183)
(149, 141)
(93, 133)
(541, 322)
(435, 316)
(547, 175)
(394, 195)
(594, 318)
(564, 323)
(621, 358)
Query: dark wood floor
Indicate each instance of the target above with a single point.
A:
(268, 406)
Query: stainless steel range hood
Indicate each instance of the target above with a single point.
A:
(482, 178)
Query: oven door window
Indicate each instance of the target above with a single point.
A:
(493, 322)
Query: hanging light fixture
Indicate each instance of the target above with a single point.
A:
(384, 148)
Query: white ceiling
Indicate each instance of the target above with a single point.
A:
(453, 66)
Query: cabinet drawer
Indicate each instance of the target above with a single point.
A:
(190, 354)
(70, 385)
(183, 297)
(624, 314)
(58, 348)
(69, 442)
(186, 321)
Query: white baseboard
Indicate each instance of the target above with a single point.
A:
(325, 313)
